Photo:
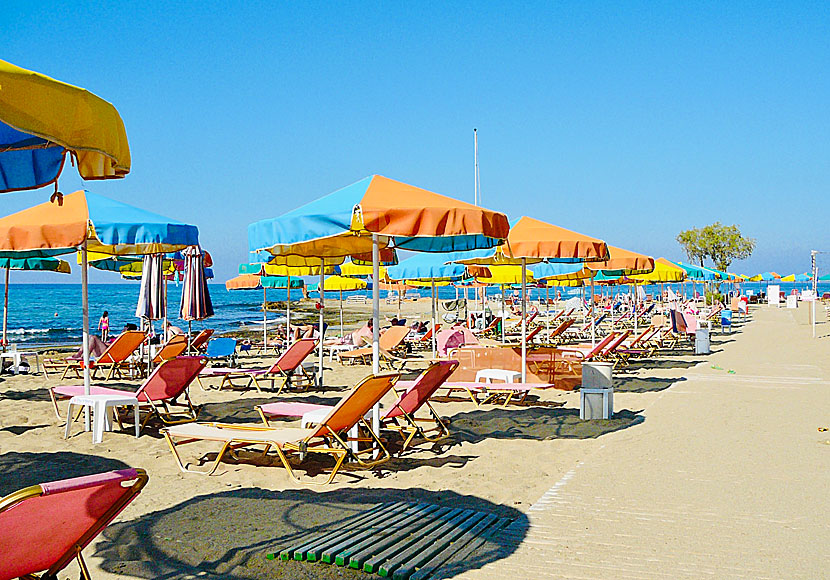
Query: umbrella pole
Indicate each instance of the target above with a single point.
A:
(264, 320)
(432, 314)
(85, 310)
(288, 313)
(320, 328)
(636, 313)
(524, 321)
(547, 309)
(593, 318)
(503, 313)
(6, 311)
(375, 325)
(341, 313)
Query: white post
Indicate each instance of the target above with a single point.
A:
(85, 310)
(636, 314)
(288, 313)
(524, 322)
(375, 326)
(375, 306)
(593, 314)
(264, 320)
(812, 306)
(547, 309)
(6, 311)
(341, 313)
(503, 313)
(432, 315)
(320, 327)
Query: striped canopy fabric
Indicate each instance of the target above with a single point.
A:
(196, 303)
(152, 298)
(42, 120)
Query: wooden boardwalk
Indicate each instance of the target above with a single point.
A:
(726, 478)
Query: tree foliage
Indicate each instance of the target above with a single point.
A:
(721, 244)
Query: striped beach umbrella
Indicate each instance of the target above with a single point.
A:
(196, 303)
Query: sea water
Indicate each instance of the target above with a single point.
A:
(50, 314)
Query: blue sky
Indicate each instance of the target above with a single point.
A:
(628, 121)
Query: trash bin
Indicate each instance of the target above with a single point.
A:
(702, 341)
(596, 397)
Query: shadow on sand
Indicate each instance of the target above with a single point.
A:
(536, 423)
(227, 535)
(643, 384)
(24, 469)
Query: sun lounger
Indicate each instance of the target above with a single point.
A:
(289, 364)
(494, 392)
(588, 352)
(115, 359)
(329, 437)
(401, 416)
(44, 527)
(171, 349)
(199, 343)
(557, 333)
(389, 342)
(221, 350)
(157, 394)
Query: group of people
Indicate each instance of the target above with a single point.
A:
(104, 328)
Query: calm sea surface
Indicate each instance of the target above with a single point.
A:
(51, 313)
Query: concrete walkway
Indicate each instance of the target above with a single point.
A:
(726, 478)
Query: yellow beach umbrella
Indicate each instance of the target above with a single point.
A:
(664, 271)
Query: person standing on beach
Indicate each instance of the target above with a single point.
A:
(104, 326)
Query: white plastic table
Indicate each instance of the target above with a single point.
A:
(17, 355)
(101, 407)
(338, 348)
(487, 375)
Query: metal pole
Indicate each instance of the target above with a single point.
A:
(341, 313)
(85, 310)
(6, 311)
(320, 328)
(503, 313)
(264, 320)
(432, 312)
(375, 308)
(524, 321)
(635, 308)
(815, 289)
(593, 314)
(288, 313)
(475, 185)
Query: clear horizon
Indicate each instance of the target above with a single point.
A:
(627, 122)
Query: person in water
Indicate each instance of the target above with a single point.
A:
(104, 326)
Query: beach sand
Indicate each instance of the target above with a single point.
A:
(501, 460)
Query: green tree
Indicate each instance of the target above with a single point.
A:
(721, 244)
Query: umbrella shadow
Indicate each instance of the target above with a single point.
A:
(229, 534)
(536, 424)
(39, 394)
(24, 469)
(643, 384)
(20, 429)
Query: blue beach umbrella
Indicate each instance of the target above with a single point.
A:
(83, 221)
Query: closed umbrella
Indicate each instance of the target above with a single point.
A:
(195, 303)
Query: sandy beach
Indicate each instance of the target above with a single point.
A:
(712, 467)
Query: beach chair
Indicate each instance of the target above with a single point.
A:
(610, 352)
(44, 527)
(531, 335)
(115, 359)
(390, 343)
(329, 437)
(171, 349)
(289, 364)
(158, 394)
(199, 342)
(401, 416)
(221, 350)
(588, 353)
(424, 342)
(555, 336)
(489, 329)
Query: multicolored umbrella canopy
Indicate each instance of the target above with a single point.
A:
(107, 226)
(340, 224)
(42, 120)
(283, 270)
(622, 262)
(428, 267)
(83, 222)
(195, 302)
(699, 272)
(40, 264)
(664, 271)
(339, 284)
(797, 278)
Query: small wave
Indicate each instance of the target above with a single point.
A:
(32, 330)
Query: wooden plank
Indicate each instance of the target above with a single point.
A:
(373, 556)
(389, 534)
(285, 552)
(404, 564)
(312, 550)
(465, 551)
(331, 551)
(425, 570)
